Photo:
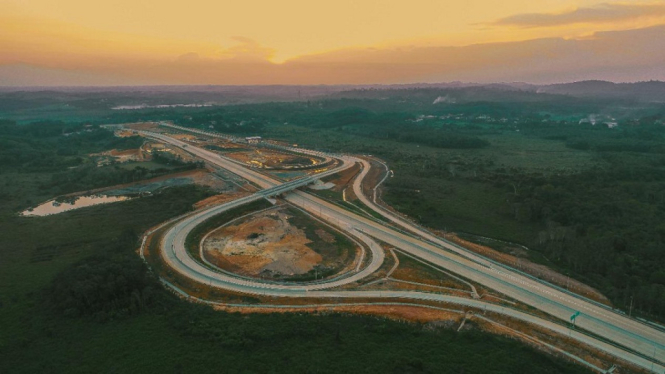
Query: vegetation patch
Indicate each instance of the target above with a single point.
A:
(104, 287)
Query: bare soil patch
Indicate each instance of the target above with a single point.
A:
(279, 244)
(265, 244)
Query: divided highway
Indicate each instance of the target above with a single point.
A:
(647, 341)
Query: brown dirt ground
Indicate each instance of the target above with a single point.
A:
(537, 270)
(266, 242)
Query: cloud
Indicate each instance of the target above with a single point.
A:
(630, 55)
(247, 50)
(599, 14)
(616, 55)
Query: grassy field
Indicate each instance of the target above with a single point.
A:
(457, 206)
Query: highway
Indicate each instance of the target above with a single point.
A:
(641, 338)
(571, 301)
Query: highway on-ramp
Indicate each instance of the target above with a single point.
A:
(646, 341)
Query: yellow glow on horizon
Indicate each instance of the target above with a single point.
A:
(82, 34)
(290, 27)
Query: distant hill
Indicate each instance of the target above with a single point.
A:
(642, 92)
(651, 91)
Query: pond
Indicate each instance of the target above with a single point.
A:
(54, 207)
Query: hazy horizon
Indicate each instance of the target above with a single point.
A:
(134, 43)
(447, 84)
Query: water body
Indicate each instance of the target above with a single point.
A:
(53, 207)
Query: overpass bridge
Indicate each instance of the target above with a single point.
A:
(615, 334)
(271, 187)
(288, 186)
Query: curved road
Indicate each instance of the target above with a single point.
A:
(611, 326)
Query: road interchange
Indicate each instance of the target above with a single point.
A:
(646, 341)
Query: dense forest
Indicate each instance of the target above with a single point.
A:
(46, 146)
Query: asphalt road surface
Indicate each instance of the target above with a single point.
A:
(647, 342)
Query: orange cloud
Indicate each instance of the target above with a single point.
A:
(248, 49)
(617, 55)
(35, 49)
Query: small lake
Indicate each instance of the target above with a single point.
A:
(53, 207)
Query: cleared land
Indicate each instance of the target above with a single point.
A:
(280, 243)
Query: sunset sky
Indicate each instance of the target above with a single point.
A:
(77, 42)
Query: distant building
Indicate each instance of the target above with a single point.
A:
(253, 139)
